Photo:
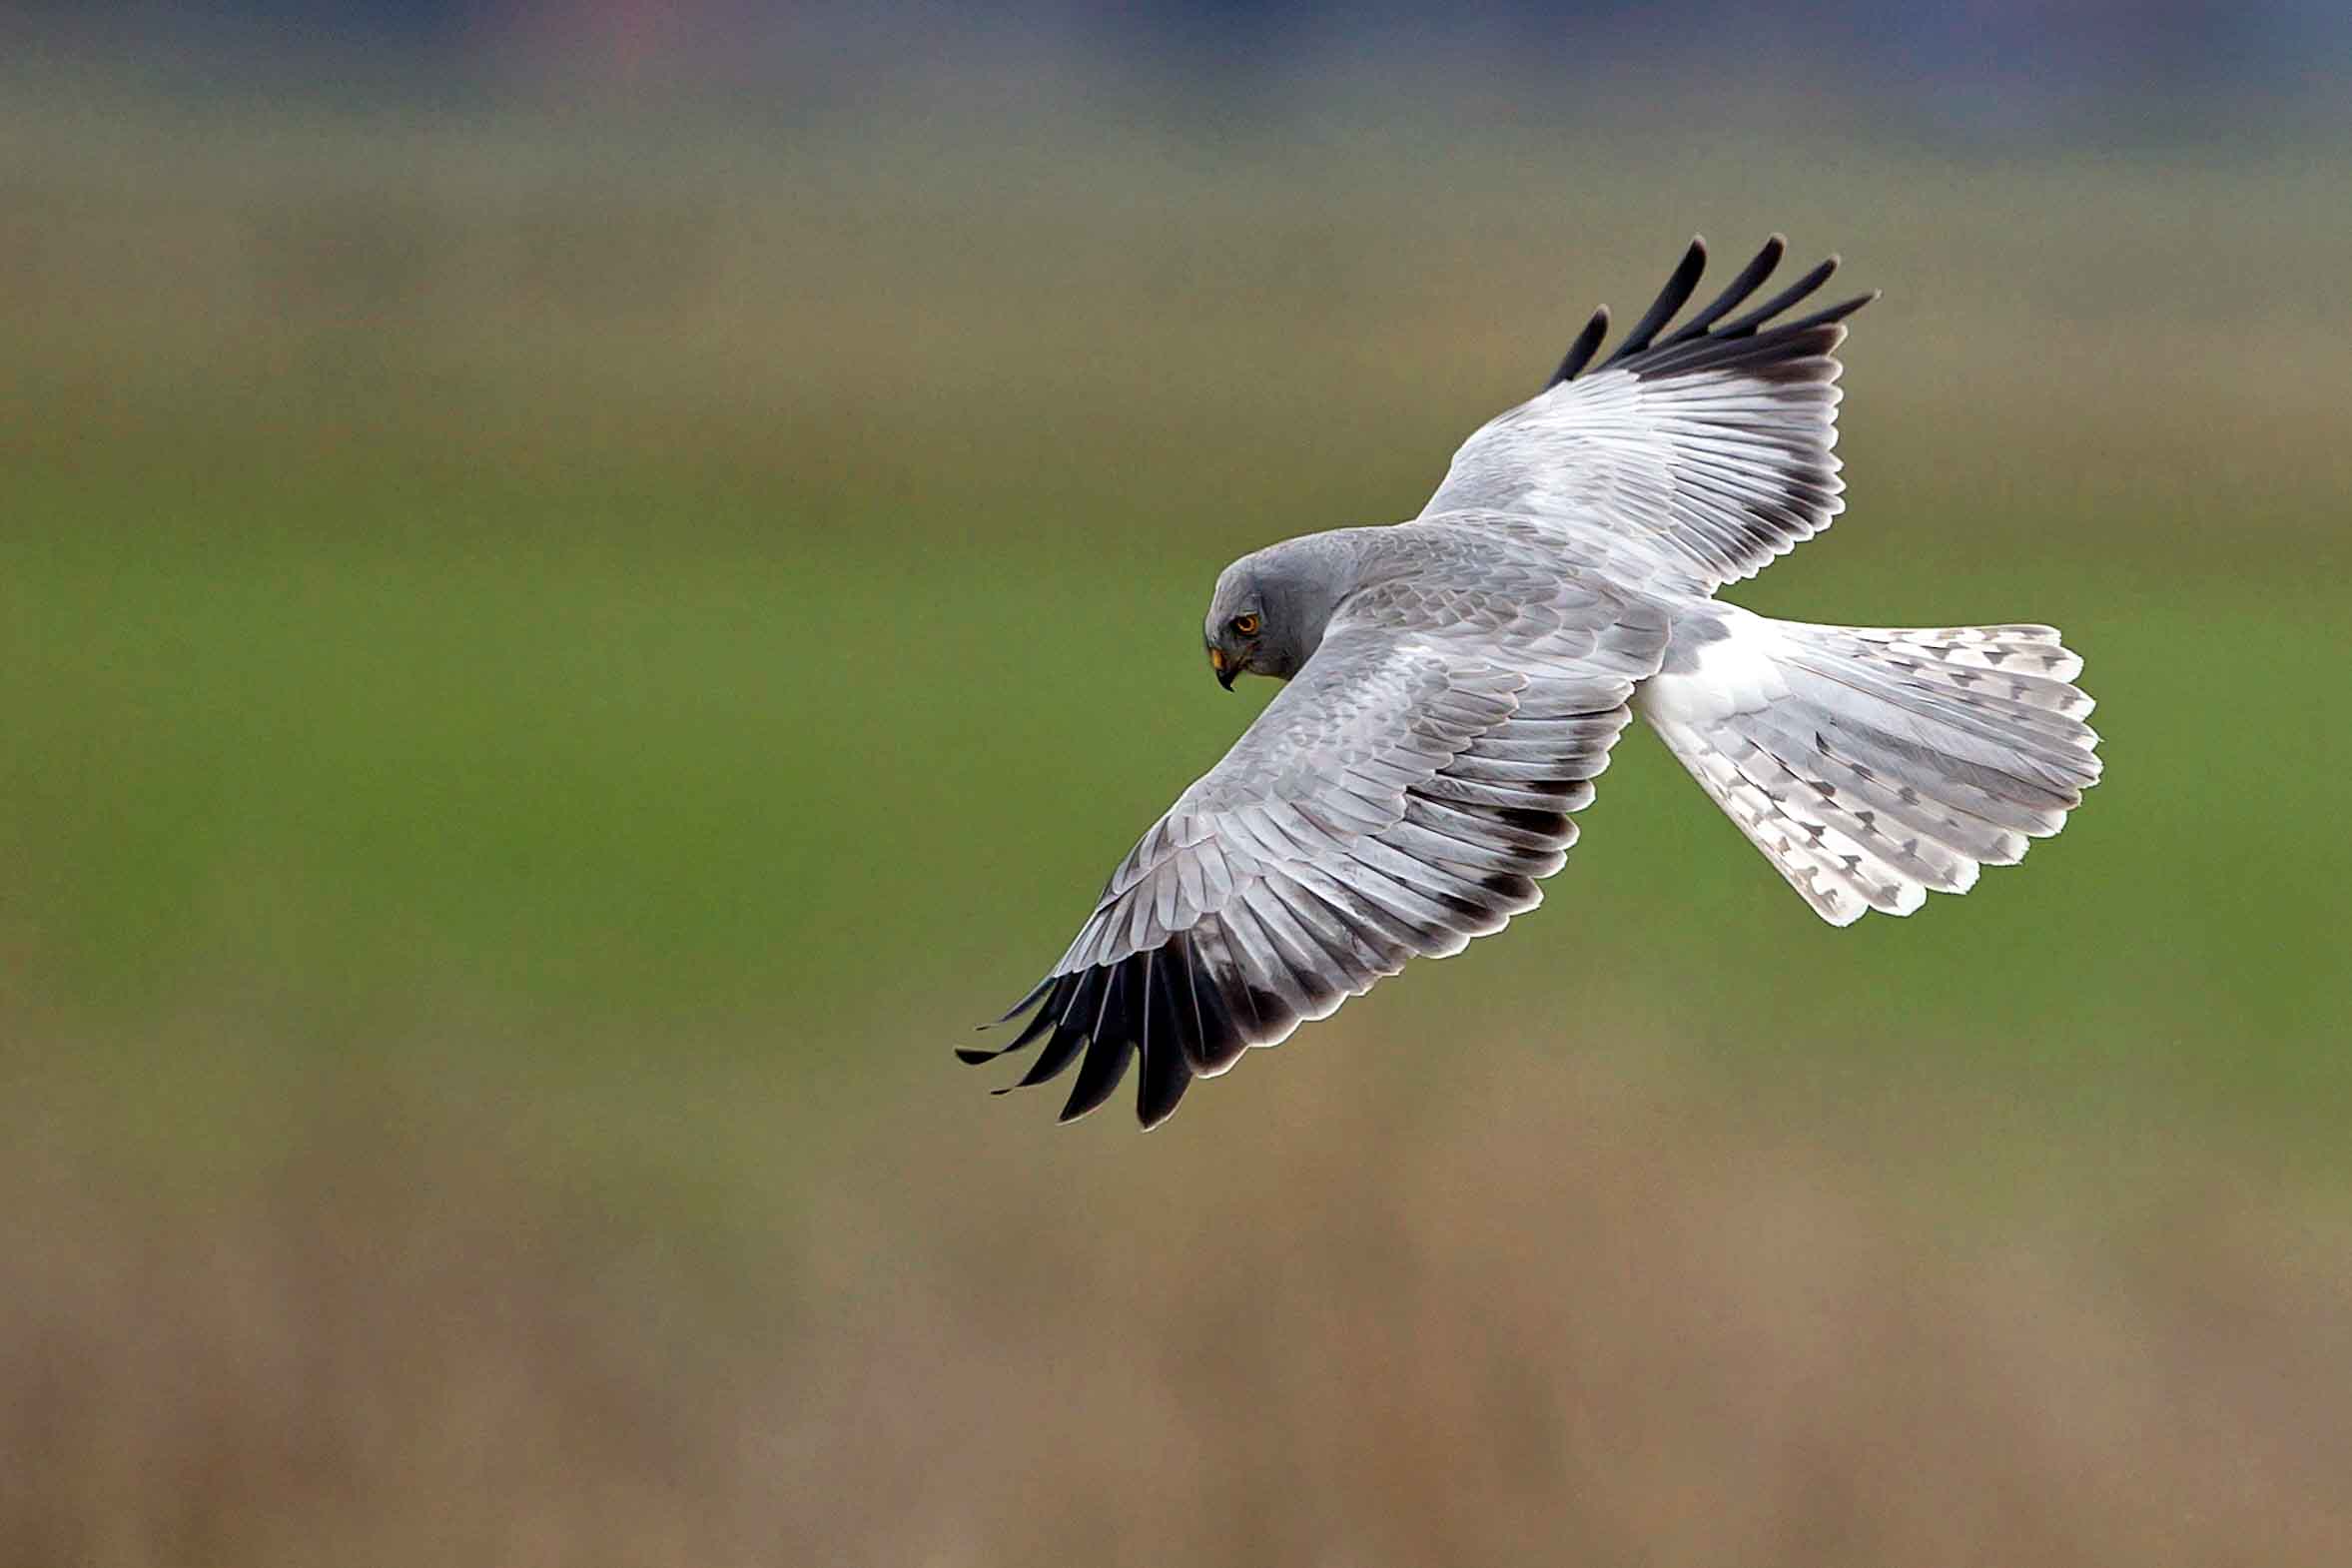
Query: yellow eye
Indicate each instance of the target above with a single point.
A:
(1246, 626)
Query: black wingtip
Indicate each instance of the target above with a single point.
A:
(1760, 267)
(1035, 995)
(1168, 1014)
(1096, 1083)
(1166, 1070)
(1046, 993)
(1581, 351)
(1839, 311)
(1671, 298)
(1641, 348)
(1779, 301)
(1112, 1046)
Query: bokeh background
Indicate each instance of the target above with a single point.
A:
(585, 585)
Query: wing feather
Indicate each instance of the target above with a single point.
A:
(1398, 798)
(1703, 453)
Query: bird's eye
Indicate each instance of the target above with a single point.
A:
(1246, 626)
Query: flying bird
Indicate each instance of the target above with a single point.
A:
(1455, 683)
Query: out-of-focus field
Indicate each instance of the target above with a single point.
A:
(552, 665)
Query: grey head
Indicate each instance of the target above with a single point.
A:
(1269, 609)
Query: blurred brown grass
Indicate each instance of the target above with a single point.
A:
(1582, 1310)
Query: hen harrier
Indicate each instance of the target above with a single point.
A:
(1456, 682)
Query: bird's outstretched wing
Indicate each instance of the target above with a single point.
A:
(1696, 453)
(1401, 796)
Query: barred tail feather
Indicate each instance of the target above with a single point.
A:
(1873, 765)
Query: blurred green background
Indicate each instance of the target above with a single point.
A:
(557, 651)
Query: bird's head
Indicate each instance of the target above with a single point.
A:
(1267, 614)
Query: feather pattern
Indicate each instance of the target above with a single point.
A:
(1874, 766)
(1402, 796)
(1456, 684)
(1700, 454)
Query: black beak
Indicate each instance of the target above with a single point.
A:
(1225, 677)
(1224, 666)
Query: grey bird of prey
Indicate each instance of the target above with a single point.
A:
(1455, 685)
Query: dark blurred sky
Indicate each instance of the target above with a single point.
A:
(2145, 64)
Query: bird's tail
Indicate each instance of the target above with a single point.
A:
(1870, 765)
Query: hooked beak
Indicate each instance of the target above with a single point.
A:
(1226, 668)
